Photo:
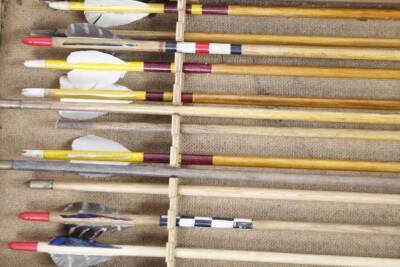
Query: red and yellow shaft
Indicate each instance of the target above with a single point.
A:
(111, 94)
(237, 10)
(132, 157)
(227, 69)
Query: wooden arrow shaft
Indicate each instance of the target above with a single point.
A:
(236, 130)
(325, 227)
(216, 112)
(316, 164)
(187, 97)
(263, 38)
(221, 192)
(233, 69)
(297, 71)
(122, 219)
(219, 254)
(230, 49)
(246, 38)
(311, 12)
(312, 102)
(253, 11)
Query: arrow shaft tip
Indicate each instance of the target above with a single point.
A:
(23, 246)
(37, 41)
(40, 184)
(33, 153)
(35, 216)
(34, 92)
(36, 63)
(61, 5)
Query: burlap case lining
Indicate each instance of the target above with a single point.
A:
(35, 129)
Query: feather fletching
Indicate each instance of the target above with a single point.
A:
(87, 115)
(93, 79)
(104, 19)
(89, 30)
(95, 143)
(87, 210)
(77, 260)
(75, 115)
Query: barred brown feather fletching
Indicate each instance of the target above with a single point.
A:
(89, 30)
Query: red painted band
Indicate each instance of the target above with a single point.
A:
(157, 67)
(215, 9)
(205, 10)
(197, 68)
(187, 97)
(191, 159)
(155, 96)
(35, 216)
(202, 48)
(162, 47)
(188, 9)
(37, 41)
(24, 246)
(188, 159)
(171, 8)
(156, 158)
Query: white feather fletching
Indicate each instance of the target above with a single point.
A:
(76, 115)
(78, 260)
(96, 143)
(65, 83)
(104, 19)
(92, 79)
(87, 115)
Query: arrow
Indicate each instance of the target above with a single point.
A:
(108, 13)
(67, 91)
(100, 150)
(208, 111)
(66, 250)
(217, 191)
(101, 66)
(266, 131)
(89, 220)
(363, 181)
(203, 98)
(244, 38)
(85, 36)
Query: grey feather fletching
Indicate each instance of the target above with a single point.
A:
(89, 30)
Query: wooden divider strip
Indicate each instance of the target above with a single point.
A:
(171, 225)
(176, 141)
(176, 138)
